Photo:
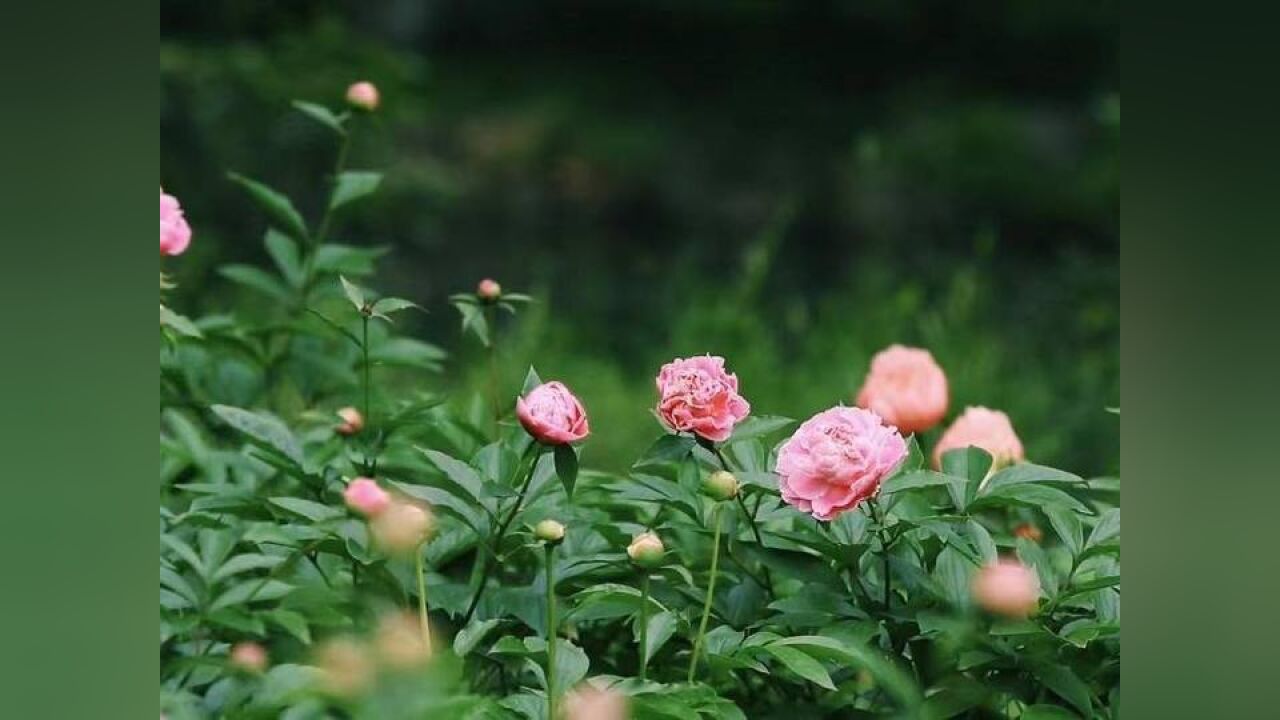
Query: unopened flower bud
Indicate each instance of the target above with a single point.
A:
(363, 96)
(1007, 587)
(401, 527)
(646, 550)
(549, 531)
(352, 421)
(249, 657)
(365, 497)
(346, 670)
(590, 703)
(489, 290)
(721, 485)
(1029, 531)
(400, 641)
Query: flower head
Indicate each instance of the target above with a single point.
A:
(400, 642)
(549, 531)
(489, 290)
(249, 657)
(721, 485)
(590, 703)
(698, 395)
(984, 428)
(363, 96)
(364, 496)
(906, 387)
(836, 459)
(646, 550)
(346, 669)
(1007, 587)
(352, 421)
(553, 415)
(175, 234)
(402, 526)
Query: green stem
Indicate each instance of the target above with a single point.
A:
(501, 533)
(551, 633)
(884, 549)
(711, 589)
(368, 412)
(644, 621)
(751, 519)
(422, 598)
(491, 318)
(322, 232)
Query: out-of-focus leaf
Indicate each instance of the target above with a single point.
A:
(567, 467)
(1063, 682)
(276, 205)
(353, 293)
(262, 428)
(320, 114)
(256, 279)
(353, 185)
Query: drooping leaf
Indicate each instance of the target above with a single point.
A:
(567, 467)
(320, 114)
(284, 252)
(801, 664)
(276, 205)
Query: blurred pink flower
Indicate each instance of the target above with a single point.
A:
(249, 657)
(552, 414)
(364, 496)
(836, 459)
(697, 395)
(984, 428)
(1007, 587)
(906, 388)
(489, 289)
(175, 234)
(590, 703)
(363, 95)
(352, 421)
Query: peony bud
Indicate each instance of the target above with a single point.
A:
(400, 642)
(352, 421)
(363, 96)
(365, 497)
(1007, 587)
(489, 290)
(646, 550)
(402, 527)
(589, 703)
(249, 657)
(549, 531)
(721, 485)
(346, 669)
(1028, 531)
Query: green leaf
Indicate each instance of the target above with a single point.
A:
(667, 448)
(1029, 495)
(953, 573)
(1107, 528)
(251, 591)
(295, 623)
(982, 540)
(474, 322)
(660, 628)
(393, 304)
(1047, 712)
(462, 474)
(531, 381)
(284, 252)
(470, 636)
(311, 510)
(1067, 525)
(320, 114)
(263, 428)
(916, 479)
(567, 467)
(353, 185)
(758, 426)
(244, 563)
(1063, 682)
(346, 259)
(279, 209)
(802, 664)
(256, 279)
(970, 463)
(178, 323)
(353, 293)
(1030, 473)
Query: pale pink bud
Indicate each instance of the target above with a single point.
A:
(721, 485)
(249, 657)
(489, 289)
(646, 550)
(363, 95)
(400, 641)
(352, 421)
(401, 527)
(1007, 587)
(346, 670)
(552, 414)
(364, 496)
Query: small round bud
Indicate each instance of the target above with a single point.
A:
(549, 531)
(1029, 531)
(363, 96)
(721, 485)
(352, 421)
(249, 657)
(365, 497)
(346, 670)
(401, 527)
(1007, 587)
(489, 290)
(591, 703)
(400, 642)
(646, 550)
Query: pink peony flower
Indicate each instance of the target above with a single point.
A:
(591, 703)
(987, 429)
(836, 459)
(489, 289)
(249, 657)
(699, 396)
(906, 388)
(1007, 587)
(366, 497)
(552, 414)
(175, 234)
(363, 95)
(352, 421)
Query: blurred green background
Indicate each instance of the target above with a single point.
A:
(790, 185)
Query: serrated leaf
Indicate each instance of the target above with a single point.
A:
(276, 205)
(353, 185)
(320, 114)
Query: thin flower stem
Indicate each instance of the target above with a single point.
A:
(496, 544)
(422, 599)
(491, 318)
(884, 549)
(644, 622)
(751, 519)
(711, 589)
(551, 633)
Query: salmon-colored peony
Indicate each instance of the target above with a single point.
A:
(984, 428)
(175, 234)
(365, 497)
(906, 388)
(363, 95)
(698, 395)
(489, 289)
(249, 657)
(552, 414)
(1007, 587)
(836, 459)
